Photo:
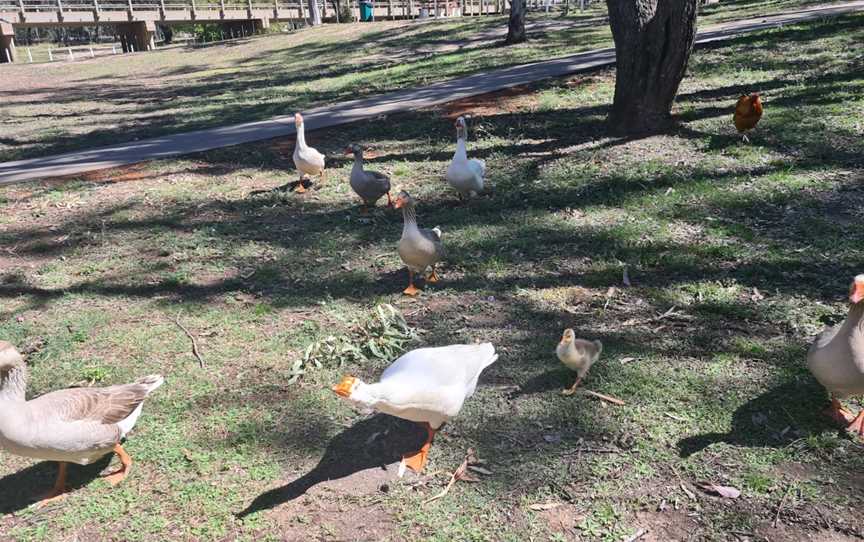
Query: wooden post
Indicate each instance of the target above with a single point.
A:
(50, 56)
(435, 7)
(71, 56)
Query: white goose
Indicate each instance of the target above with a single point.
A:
(77, 425)
(464, 175)
(307, 160)
(836, 359)
(428, 385)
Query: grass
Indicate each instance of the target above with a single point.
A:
(751, 245)
(59, 107)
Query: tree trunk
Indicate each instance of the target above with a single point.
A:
(516, 24)
(653, 42)
(314, 13)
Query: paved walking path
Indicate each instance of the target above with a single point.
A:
(394, 102)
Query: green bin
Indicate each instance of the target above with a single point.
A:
(365, 11)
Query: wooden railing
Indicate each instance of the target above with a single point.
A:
(390, 8)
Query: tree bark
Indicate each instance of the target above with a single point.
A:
(314, 13)
(516, 24)
(653, 42)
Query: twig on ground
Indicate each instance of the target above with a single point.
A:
(563, 490)
(511, 438)
(668, 314)
(613, 400)
(639, 534)
(459, 474)
(194, 342)
(780, 506)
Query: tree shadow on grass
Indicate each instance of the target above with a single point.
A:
(371, 443)
(774, 419)
(25, 487)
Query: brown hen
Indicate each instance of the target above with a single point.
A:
(748, 111)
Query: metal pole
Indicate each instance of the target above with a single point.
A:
(30, 56)
(91, 53)
(71, 56)
(50, 56)
(8, 55)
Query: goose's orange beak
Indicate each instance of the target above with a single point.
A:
(398, 202)
(856, 291)
(343, 389)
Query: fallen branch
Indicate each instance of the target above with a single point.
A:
(668, 314)
(459, 474)
(194, 342)
(639, 534)
(563, 490)
(780, 506)
(613, 400)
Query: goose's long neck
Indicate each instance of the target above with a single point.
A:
(855, 318)
(409, 219)
(461, 150)
(358, 162)
(13, 384)
(301, 136)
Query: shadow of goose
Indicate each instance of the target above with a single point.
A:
(25, 487)
(374, 442)
(773, 419)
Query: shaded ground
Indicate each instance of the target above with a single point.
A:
(737, 255)
(52, 108)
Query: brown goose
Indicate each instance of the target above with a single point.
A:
(419, 248)
(836, 359)
(578, 355)
(369, 185)
(76, 425)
